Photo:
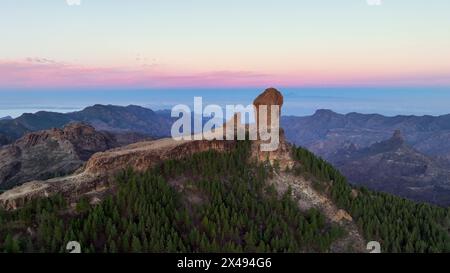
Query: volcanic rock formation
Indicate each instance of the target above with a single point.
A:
(54, 152)
(270, 97)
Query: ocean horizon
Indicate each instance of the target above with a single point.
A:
(297, 101)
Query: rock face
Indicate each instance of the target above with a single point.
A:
(51, 153)
(144, 155)
(269, 97)
(307, 197)
(281, 156)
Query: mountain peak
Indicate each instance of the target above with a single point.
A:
(397, 139)
(270, 96)
(398, 136)
(6, 118)
(324, 113)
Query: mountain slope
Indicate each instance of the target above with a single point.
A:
(326, 131)
(208, 202)
(102, 117)
(55, 152)
(416, 166)
(393, 166)
(398, 224)
(222, 202)
(131, 118)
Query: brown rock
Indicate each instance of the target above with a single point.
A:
(50, 153)
(269, 97)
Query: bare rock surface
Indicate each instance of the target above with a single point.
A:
(307, 197)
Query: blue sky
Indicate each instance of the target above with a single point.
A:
(345, 55)
(217, 43)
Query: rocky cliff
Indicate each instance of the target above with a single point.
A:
(51, 153)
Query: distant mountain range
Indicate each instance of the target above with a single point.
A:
(327, 131)
(102, 117)
(414, 163)
(394, 166)
(360, 145)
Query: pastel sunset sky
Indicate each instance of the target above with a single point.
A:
(232, 43)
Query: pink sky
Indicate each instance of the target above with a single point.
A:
(233, 43)
(45, 73)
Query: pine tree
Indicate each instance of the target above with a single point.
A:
(136, 245)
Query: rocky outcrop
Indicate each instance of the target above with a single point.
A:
(270, 97)
(144, 155)
(51, 153)
(307, 197)
(394, 166)
(281, 156)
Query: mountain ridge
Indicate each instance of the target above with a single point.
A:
(112, 118)
(395, 167)
(326, 131)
